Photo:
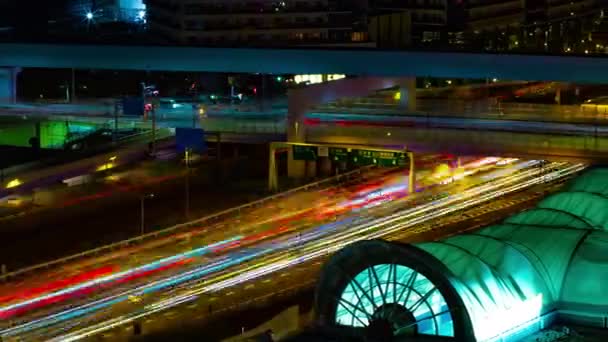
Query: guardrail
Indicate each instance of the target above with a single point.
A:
(174, 229)
(244, 126)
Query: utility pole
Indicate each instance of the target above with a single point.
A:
(146, 90)
(263, 102)
(153, 111)
(187, 183)
(194, 104)
(143, 216)
(116, 109)
(73, 84)
(142, 209)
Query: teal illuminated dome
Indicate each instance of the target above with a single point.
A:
(499, 283)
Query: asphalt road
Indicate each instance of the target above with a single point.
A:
(65, 230)
(250, 304)
(283, 252)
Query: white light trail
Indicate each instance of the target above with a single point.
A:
(370, 230)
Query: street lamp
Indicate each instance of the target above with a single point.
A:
(89, 16)
(143, 217)
(188, 153)
(150, 90)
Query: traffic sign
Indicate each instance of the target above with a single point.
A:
(356, 156)
(323, 151)
(338, 154)
(301, 152)
(389, 159)
(381, 158)
(363, 157)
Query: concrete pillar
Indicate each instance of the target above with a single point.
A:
(273, 179)
(407, 89)
(412, 173)
(8, 84)
(325, 166)
(311, 169)
(295, 168)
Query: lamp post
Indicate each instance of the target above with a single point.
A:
(187, 194)
(150, 90)
(89, 19)
(143, 212)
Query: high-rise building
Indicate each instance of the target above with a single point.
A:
(430, 19)
(108, 10)
(253, 22)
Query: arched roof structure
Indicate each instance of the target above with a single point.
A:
(552, 259)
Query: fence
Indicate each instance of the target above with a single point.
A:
(184, 226)
(275, 127)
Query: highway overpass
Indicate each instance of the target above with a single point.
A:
(294, 61)
(586, 146)
(308, 61)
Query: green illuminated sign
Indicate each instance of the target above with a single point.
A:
(338, 154)
(380, 158)
(305, 152)
(362, 157)
(357, 157)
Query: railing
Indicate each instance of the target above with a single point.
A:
(174, 229)
(245, 126)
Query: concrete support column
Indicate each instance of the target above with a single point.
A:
(8, 84)
(325, 166)
(407, 90)
(273, 180)
(311, 169)
(412, 175)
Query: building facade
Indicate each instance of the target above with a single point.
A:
(257, 23)
(430, 19)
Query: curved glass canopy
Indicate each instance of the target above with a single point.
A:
(551, 258)
(397, 295)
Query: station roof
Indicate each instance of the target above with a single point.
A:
(551, 260)
(551, 257)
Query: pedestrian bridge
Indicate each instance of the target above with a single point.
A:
(501, 283)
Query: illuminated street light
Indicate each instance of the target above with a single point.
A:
(89, 16)
(14, 183)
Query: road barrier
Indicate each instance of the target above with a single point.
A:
(174, 229)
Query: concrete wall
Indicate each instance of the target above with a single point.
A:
(285, 323)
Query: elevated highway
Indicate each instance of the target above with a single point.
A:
(588, 143)
(308, 61)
